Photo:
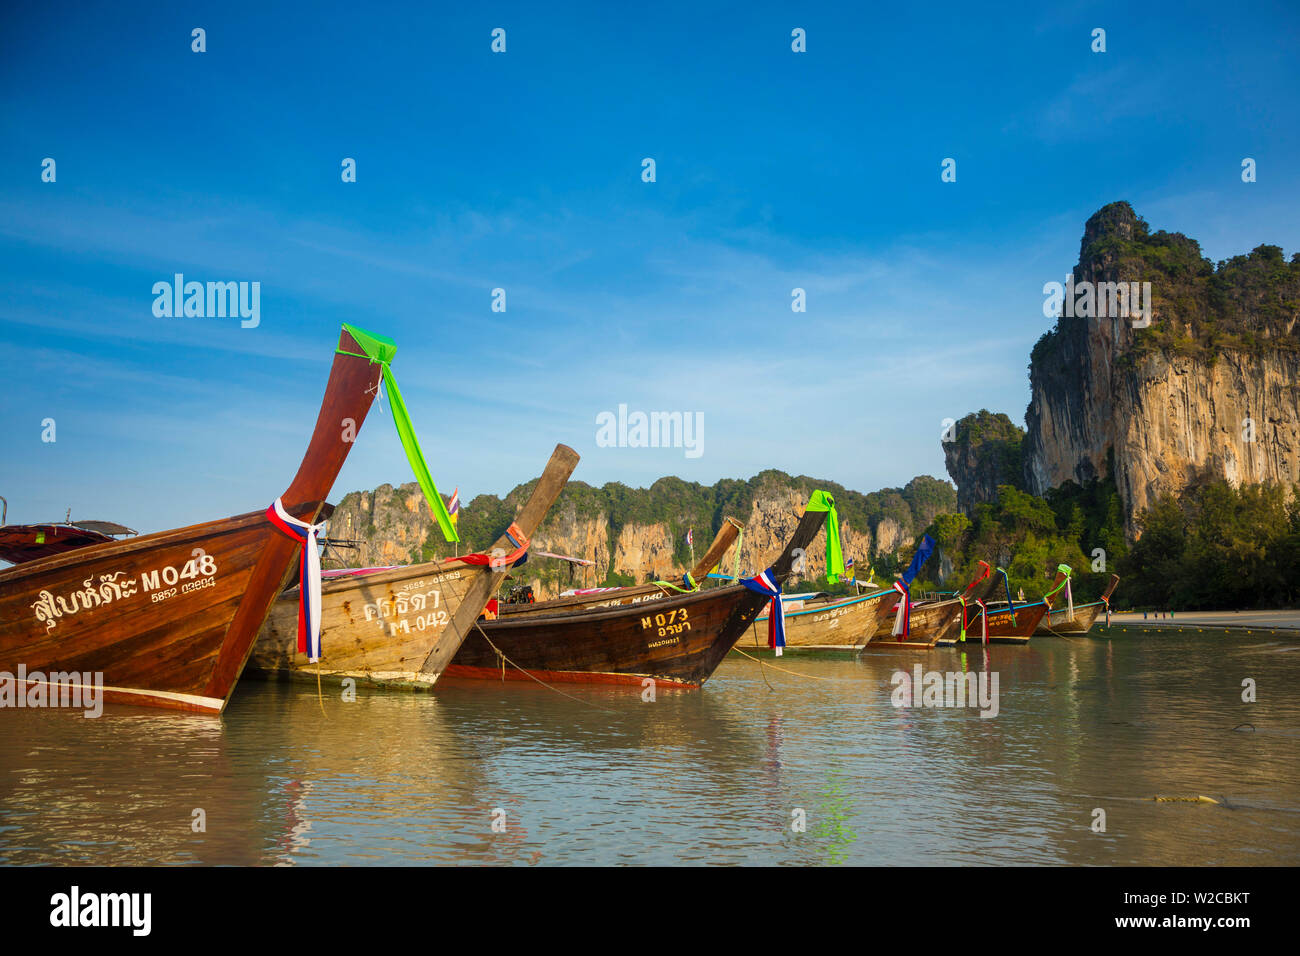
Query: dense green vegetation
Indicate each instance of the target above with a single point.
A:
(1029, 536)
(1218, 547)
(1245, 303)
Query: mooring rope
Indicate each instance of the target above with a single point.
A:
(782, 669)
(461, 600)
(532, 676)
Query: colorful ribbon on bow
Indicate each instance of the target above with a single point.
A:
(1066, 570)
(765, 583)
(497, 562)
(381, 350)
(823, 501)
(309, 598)
(903, 615)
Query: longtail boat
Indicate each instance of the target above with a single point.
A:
(679, 640)
(929, 623)
(825, 621)
(1005, 622)
(933, 622)
(637, 594)
(168, 619)
(1077, 619)
(916, 624)
(27, 542)
(399, 627)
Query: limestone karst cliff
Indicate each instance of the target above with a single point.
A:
(635, 534)
(984, 451)
(1210, 389)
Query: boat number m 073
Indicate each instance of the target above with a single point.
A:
(669, 622)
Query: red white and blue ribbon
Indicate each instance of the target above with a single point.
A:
(765, 583)
(309, 600)
(903, 617)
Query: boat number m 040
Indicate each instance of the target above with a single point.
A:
(669, 622)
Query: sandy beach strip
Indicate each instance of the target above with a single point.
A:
(1261, 620)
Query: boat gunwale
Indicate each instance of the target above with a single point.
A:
(830, 606)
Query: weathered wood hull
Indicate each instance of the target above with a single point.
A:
(930, 623)
(1058, 621)
(398, 627)
(850, 621)
(168, 619)
(678, 640)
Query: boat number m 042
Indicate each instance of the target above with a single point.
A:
(431, 621)
(669, 622)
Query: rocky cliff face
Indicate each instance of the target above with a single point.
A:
(985, 451)
(635, 535)
(1211, 389)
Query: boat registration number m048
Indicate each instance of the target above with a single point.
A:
(671, 622)
(158, 584)
(202, 565)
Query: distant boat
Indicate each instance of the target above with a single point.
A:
(932, 622)
(168, 619)
(679, 639)
(401, 626)
(1080, 618)
(27, 542)
(1010, 623)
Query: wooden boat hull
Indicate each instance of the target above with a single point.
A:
(678, 640)
(397, 627)
(168, 619)
(1058, 621)
(846, 622)
(930, 623)
(1008, 628)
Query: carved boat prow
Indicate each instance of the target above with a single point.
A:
(168, 619)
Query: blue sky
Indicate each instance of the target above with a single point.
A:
(522, 170)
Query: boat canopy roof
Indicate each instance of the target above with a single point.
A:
(104, 527)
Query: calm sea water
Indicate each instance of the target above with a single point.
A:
(696, 777)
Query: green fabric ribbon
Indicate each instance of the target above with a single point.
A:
(1063, 569)
(822, 501)
(380, 349)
